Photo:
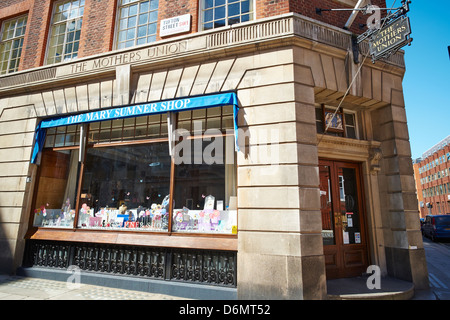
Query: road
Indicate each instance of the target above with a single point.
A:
(438, 263)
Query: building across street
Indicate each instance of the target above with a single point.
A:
(432, 179)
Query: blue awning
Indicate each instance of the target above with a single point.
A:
(176, 105)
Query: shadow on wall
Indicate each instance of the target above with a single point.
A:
(6, 256)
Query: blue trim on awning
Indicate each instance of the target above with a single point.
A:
(176, 105)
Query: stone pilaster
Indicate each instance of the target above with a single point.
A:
(405, 255)
(280, 253)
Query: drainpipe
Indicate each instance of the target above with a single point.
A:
(353, 15)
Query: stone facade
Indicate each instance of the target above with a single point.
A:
(280, 68)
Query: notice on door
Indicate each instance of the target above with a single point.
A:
(346, 237)
(357, 237)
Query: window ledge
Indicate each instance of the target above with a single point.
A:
(178, 240)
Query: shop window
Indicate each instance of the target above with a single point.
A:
(11, 43)
(220, 13)
(205, 172)
(137, 22)
(126, 187)
(63, 137)
(343, 123)
(121, 130)
(56, 191)
(65, 31)
(127, 170)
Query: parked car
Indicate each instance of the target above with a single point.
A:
(436, 227)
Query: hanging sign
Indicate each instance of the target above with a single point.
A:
(390, 38)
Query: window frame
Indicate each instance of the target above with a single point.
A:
(50, 35)
(117, 30)
(21, 37)
(82, 147)
(320, 108)
(202, 9)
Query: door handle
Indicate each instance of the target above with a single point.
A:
(337, 219)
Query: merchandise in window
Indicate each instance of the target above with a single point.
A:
(11, 43)
(65, 31)
(205, 174)
(137, 23)
(126, 187)
(126, 173)
(220, 13)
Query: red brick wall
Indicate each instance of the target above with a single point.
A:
(35, 41)
(269, 8)
(99, 18)
(97, 35)
(335, 18)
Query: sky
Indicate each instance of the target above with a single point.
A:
(426, 85)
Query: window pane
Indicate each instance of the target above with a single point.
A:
(218, 24)
(142, 31)
(208, 4)
(126, 187)
(222, 13)
(233, 9)
(208, 15)
(154, 4)
(56, 194)
(143, 18)
(219, 13)
(133, 10)
(144, 6)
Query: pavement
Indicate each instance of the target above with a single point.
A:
(25, 288)
(390, 289)
(28, 288)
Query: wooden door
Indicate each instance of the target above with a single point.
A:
(343, 224)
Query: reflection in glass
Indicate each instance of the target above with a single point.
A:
(56, 194)
(349, 207)
(326, 206)
(205, 187)
(126, 187)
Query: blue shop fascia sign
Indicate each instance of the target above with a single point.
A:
(175, 105)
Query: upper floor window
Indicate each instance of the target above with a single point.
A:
(219, 13)
(11, 42)
(137, 22)
(343, 123)
(65, 31)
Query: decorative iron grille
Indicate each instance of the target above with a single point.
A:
(186, 265)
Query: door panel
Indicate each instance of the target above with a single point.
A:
(342, 219)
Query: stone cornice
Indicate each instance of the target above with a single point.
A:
(287, 29)
(345, 149)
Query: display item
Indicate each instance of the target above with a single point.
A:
(154, 218)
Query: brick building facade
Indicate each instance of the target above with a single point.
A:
(95, 106)
(432, 180)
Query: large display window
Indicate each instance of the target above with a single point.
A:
(126, 187)
(133, 174)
